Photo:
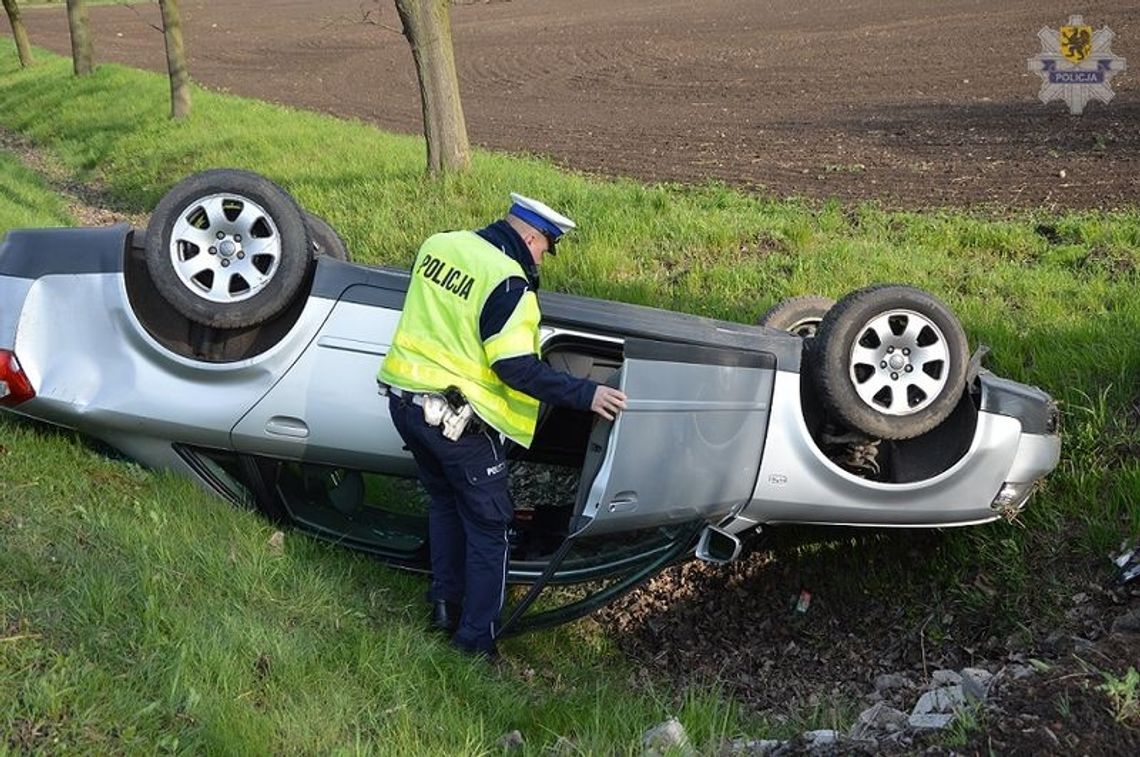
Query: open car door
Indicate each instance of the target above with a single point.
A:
(688, 445)
(685, 451)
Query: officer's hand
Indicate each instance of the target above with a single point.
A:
(608, 402)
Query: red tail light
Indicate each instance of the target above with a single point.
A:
(14, 385)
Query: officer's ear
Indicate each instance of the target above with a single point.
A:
(535, 244)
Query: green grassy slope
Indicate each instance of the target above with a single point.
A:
(24, 200)
(138, 612)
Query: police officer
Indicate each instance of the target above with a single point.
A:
(469, 331)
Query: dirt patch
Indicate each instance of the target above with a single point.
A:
(1064, 709)
(909, 104)
(756, 628)
(90, 204)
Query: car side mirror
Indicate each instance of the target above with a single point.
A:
(717, 546)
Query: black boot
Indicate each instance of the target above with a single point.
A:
(445, 616)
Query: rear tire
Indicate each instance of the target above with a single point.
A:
(227, 248)
(889, 361)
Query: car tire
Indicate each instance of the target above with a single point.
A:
(797, 315)
(323, 238)
(889, 361)
(228, 248)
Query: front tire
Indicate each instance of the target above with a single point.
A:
(797, 315)
(324, 239)
(890, 361)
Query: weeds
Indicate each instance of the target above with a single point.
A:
(1123, 696)
(967, 721)
(1064, 705)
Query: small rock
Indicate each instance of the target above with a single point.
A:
(930, 721)
(1128, 623)
(1080, 598)
(1062, 174)
(821, 738)
(945, 677)
(876, 720)
(976, 683)
(758, 747)
(667, 737)
(888, 681)
(1018, 672)
(512, 740)
(277, 542)
(946, 699)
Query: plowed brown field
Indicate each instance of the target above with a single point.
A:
(912, 103)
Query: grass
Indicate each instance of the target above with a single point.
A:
(139, 612)
(149, 626)
(24, 200)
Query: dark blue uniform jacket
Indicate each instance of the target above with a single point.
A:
(526, 373)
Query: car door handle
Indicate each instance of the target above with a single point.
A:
(283, 425)
(623, 502)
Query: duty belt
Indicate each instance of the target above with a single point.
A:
(474, 425)
(413, 397)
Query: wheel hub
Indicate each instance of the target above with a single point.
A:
(225, 248)
(899, 362)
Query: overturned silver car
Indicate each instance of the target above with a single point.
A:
(232, 341)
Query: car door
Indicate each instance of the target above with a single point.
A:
(326, 408)
(687, 446)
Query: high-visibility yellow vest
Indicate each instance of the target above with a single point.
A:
(437, 342)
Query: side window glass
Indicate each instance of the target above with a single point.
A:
(223, 472)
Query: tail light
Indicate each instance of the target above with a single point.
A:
(14, 385)
(1012, 497)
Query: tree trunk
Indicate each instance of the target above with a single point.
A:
(427, 25)
(77, 22)
(175, 59)
(19, 32)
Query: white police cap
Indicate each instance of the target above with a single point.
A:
(540, 215)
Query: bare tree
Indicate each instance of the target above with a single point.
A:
(427, 27)
(81, 52)
(20, 32)
(175, 59)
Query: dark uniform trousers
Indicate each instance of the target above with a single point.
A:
(468, 517)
